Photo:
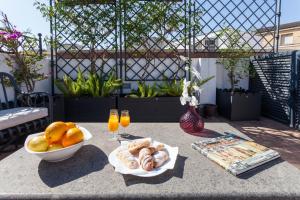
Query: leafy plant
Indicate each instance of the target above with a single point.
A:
(23, 60)
(93, 85)
(173, 88)
(144, 91)
(235, 57)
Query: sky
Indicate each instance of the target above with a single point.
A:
(25, 16)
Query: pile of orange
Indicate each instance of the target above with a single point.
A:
(57, 135)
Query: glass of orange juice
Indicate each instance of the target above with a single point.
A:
(113, 123)
(124, 120)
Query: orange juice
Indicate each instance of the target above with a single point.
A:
(125, 121)
(113, 123)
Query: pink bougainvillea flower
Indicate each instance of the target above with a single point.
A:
(13, 36)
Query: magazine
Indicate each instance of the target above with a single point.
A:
(234, 154)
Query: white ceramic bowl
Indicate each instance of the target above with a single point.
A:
(60, 154)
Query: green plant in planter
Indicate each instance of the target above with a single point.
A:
(235, 57)
(94, 85)
(145, 91)
(173, 88)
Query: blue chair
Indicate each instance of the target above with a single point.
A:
(21, 113)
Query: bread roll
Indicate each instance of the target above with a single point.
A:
(136, 145)
(146, 159)
(128, 159)
(147, 163)
(159, 158)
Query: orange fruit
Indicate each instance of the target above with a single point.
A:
(55, 131)
(73, 136)
(70, 125)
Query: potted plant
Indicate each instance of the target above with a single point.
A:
(154, 103)
(89, 99)
(191, 122)
(235, 103)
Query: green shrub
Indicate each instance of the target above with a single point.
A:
(144, 91)
(93, 85)
(173, 88)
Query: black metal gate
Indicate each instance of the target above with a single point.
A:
(277, 78)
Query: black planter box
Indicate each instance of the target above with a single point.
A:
(58, 109)
(159, 109)
(240, 106)
(88, 109)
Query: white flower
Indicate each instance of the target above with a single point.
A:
(186, 84)
(186, 68)
(194, 101)
(184, 100)
(185, 93)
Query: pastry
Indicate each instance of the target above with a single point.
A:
(146, 159)
(127, 158)
(146, 151)
(159, 147)
(135, 146)
(147, 163)
(159, 158)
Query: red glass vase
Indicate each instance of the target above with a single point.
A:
(191, 122)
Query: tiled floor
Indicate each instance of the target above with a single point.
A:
(274, 135)
(266, 132)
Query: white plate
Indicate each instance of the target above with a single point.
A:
(60, 154)
(121, 168)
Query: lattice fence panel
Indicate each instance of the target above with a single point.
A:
(254, 20)
(142, 40)
(274, 75)
(86, 37)
(155, 34)
(296, 89)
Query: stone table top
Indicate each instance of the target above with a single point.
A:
(88, 175)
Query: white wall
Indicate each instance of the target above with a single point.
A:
(207, 68)
(223, 81)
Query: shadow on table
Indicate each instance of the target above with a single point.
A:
(129, 137)
(87, 160)
(207, 133)
(259, 169)
(176, 172)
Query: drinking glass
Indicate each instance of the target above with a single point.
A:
(124, 120)
(113, 123)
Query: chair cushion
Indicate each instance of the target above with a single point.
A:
(16, 116)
